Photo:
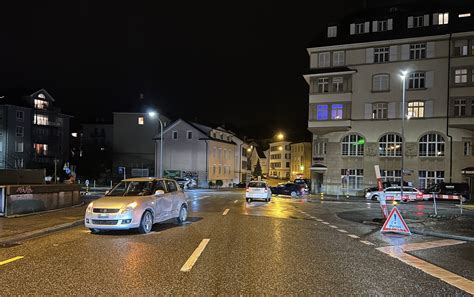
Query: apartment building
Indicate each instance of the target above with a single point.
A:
(280, 159)
(300, 164)
(355, 98)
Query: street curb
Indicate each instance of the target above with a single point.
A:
(40, 232)
(43, 212)
(442, 235)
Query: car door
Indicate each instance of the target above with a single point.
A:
(160, 203)
(170, 200)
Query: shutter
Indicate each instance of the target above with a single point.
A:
(353, 28)
(405, 51)
(390, 24)
(374, 26)
(429, 79)
(313, 60)
(368, 111)
(428, 108)
(430, 50)
(435, 18)
(391, 110)
(367, 27)
(393, 52)
(410, 22)
(426, 20)
(369, 55)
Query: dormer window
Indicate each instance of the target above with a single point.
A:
(441, 18)
(464, 15)
(359, 28)
(41, 104)
(332, 31)
(418, 21)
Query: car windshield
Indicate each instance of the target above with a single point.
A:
(257, 185)
(134, 188)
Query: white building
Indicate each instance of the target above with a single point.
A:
(280, 158)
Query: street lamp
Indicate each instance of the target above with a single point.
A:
(153, 114)
(280, 136)
(403, 76)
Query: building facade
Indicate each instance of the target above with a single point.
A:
(280, 159)
(355, 99)
(300, 164)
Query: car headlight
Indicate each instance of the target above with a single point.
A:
(129, 207)
(89, 207)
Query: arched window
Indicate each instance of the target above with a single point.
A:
(390, 145)
(431, 145)
(353, 145)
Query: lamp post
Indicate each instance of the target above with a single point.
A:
(152, 114)
(403, 76)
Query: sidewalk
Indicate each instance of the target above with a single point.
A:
(19, 228)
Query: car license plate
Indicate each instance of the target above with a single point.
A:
(103, 215)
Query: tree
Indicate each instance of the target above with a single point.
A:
(257, 171)
(219, 183)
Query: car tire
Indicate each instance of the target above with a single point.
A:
(249, 200)
(146, 223)
(182, 215)
(94, 231)
(293, 194)
(374, 198)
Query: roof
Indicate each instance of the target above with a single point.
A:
(144, 179)
(260, 153)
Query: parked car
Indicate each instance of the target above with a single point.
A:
(289, 188)
(240, 185)
(258, 190)
(304, 182)
(137, 203)
(461, 189)
(394, 193)
(186, 182)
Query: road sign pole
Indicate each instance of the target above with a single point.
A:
(460, 199)
(434, 204)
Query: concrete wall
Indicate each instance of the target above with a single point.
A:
(22, 176)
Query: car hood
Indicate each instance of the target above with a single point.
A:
(116, 201)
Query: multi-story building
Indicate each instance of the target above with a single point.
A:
(258, 155)
(280, 158)
(33, 133)
(355, 98)
(300, 160)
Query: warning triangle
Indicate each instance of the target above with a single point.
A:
(395, 223)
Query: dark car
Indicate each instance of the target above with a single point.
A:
(450, 189)
(291, 189)
(303, 182)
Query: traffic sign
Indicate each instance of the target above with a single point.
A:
(395, 223)
(121, 170)
(87, 182)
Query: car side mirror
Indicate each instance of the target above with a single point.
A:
(159, 192)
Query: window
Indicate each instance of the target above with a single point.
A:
(353, 145)
(428, 178)
(141, 121)
(352, 178)
(418, 21)
(460, 76)
(323, 84)
(220, 168)
(382, 25)
(416, 109)
(324, 59)
(459, 107)
(189, 134)
(222, 136)
(19, 131)
(381, 54)
(174, 135)
(214, 169)
(337, 84)
(359, 28)
(41, 149)
(1, 146)
(460, 48)
(322, 112)
(338, 58)
(443, 18)
(390, 145)
(41, 119)
(171, 185)
(380, 82)
(394, 176)
(431, 145)
(379, 110)
(320, 148)
(467, 149)
(416, 80)
(41, 104)
(219, 153)
(417, 51)
(287, 164)
(19, 115)
(332, 31)
(336, 111)
(18, 147)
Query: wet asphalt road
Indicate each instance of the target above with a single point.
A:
(279, 248)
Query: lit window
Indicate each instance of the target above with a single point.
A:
(41, 149)
(459, 107)
(416, 109)
(379, 110)
(428, 178)
(322, 112)
(417, 51)
(416, 80)
(460, 48)
(380, 82)
(431, 145)
(41, 104)
(460, 76)
(336, 111)
(390, 145)
(41, 119)
(141, 120)
(352, 145)
(443, 18)
(381, 54)
(464, 15)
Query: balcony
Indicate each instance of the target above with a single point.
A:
(462, 122)
(323, 127)
(330, 97)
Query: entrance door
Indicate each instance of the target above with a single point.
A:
(316, 182)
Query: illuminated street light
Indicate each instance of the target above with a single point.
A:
(280, 148)
(153, 114)
(280, 136)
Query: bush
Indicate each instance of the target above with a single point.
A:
(211, 184)
(219, 183)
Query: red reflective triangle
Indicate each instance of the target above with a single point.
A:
(395, 223)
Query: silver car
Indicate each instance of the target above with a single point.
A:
(137, 203)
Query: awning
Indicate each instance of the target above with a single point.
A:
(318, 167)
(468, 171)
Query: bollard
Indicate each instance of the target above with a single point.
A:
(321, 195)
(434, 203)
(111, 184)
(94, 183)
(461, 203)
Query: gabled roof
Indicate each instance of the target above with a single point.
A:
(260, 153)
(45, 94)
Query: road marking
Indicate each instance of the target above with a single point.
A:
(342, 231)
(319, 220)
(367, 242)
(332, 226)
(199, 198)
(315, 224)
(353, 236)
(235, 201)
(11, 260)
(325, 223)
(225, 212)
(455, 280)
(195, 256)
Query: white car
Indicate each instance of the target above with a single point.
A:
(258, 190)
(394, 193)
(137, 203)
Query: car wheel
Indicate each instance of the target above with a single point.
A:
(249, 200)
(293, 194)
(94, 230)
(146, 223)
(375, 198)
(183, 214)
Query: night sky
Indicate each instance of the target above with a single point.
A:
(233, 63)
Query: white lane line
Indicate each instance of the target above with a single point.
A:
(235, 201)
(342, 231)
(11, 260)
(332, 226)
(225, 212)
(325, 223)
(315, 224)
(353, 236)
(195, 255)
(319, 220)
(199, 198)
(367, 242)
(455, 280)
